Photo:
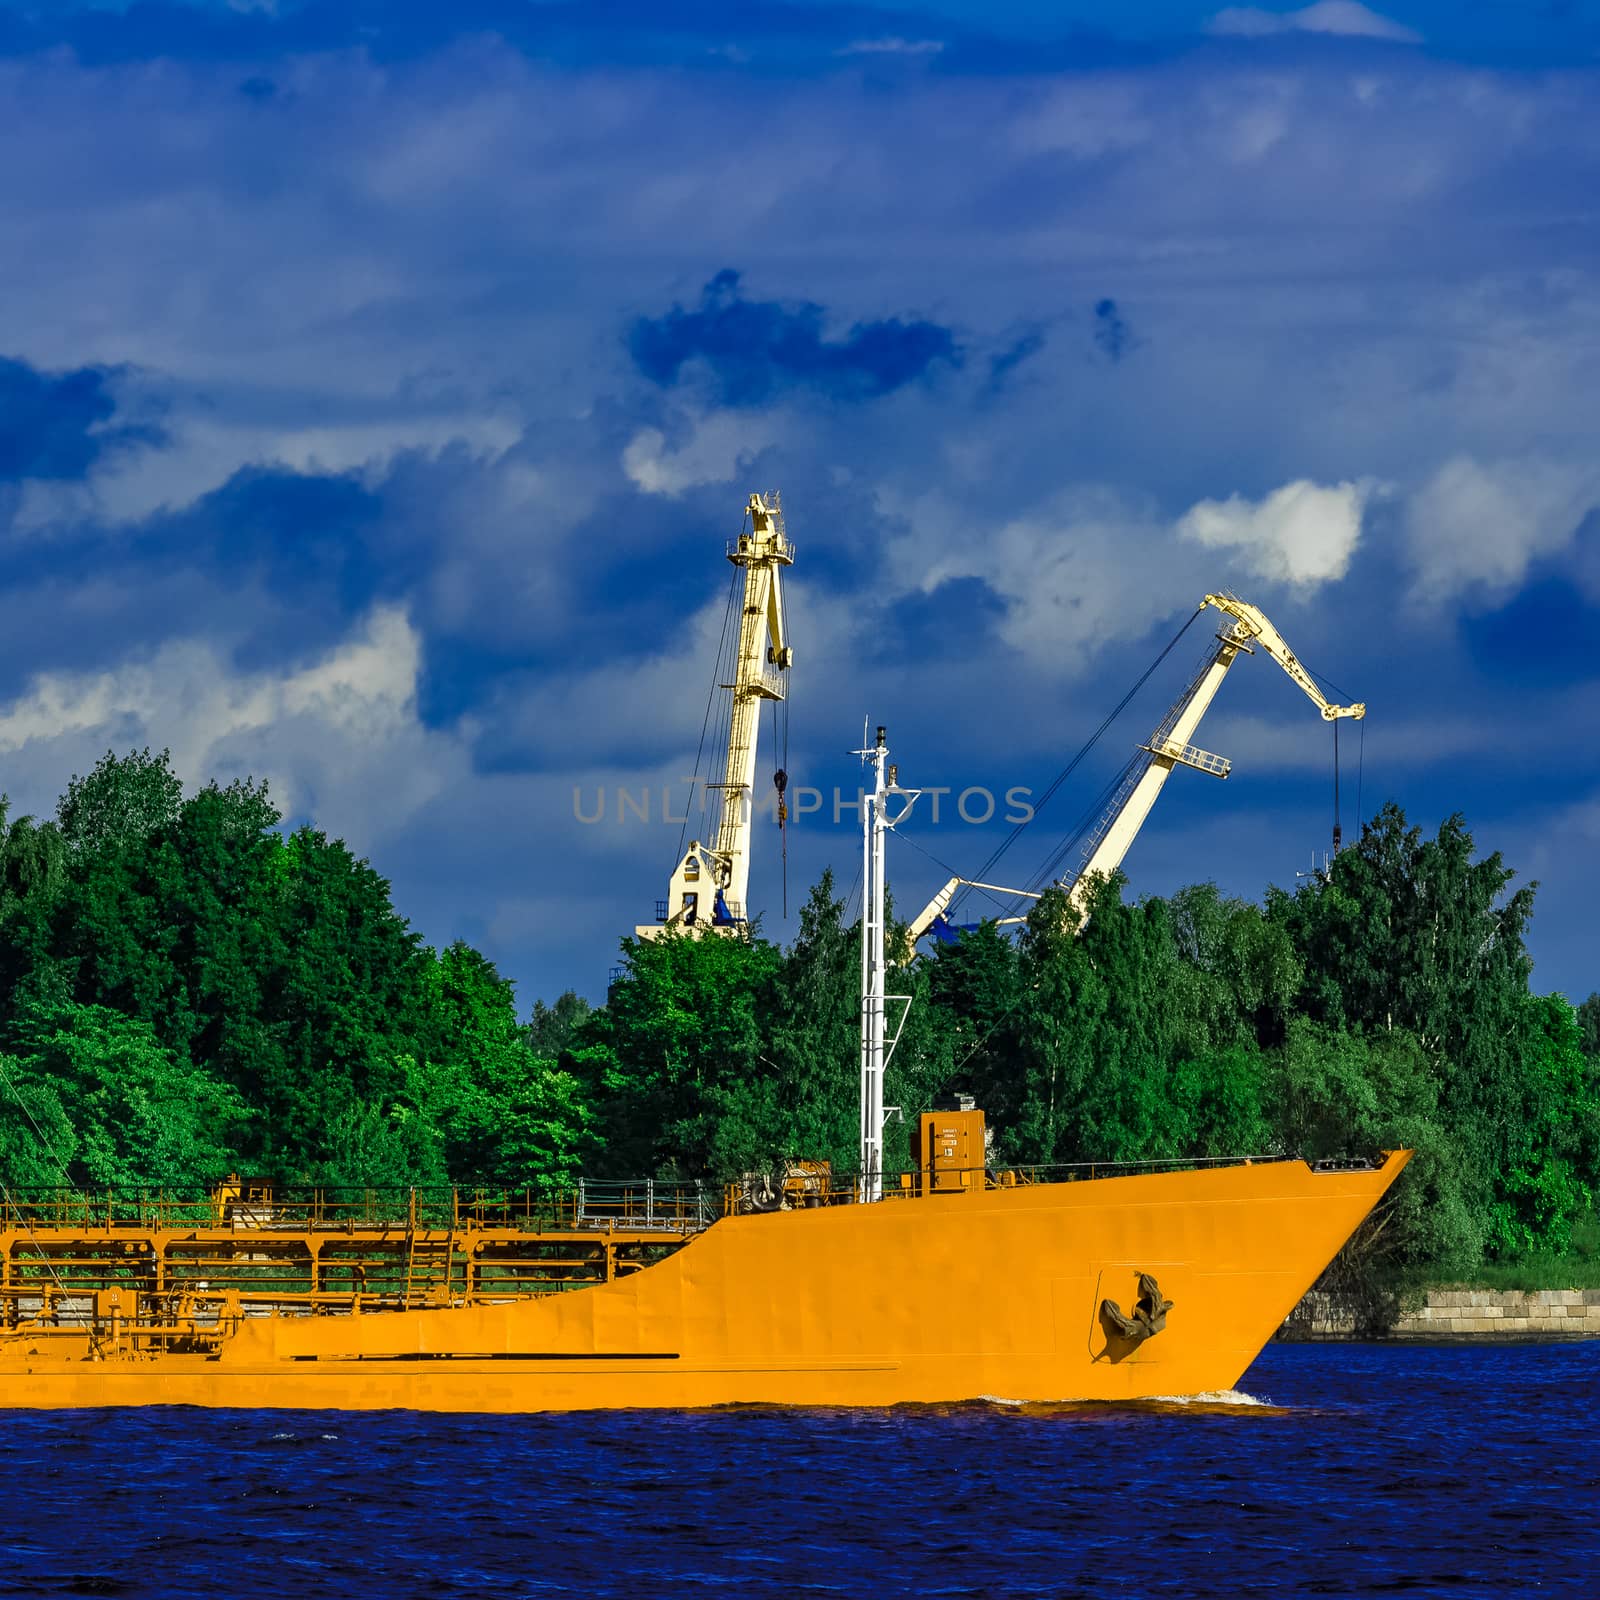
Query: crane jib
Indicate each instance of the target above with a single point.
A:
(1107, 838)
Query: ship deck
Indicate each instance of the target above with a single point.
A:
(170, 1270)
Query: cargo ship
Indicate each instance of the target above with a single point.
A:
(961, 1286)
(959, 1279)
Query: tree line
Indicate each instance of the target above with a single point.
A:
(186, 989)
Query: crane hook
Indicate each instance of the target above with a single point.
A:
(780, 782)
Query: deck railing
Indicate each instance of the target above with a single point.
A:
(643, 1204)
(592, 1205)
(637, 1204)
(844, 1188)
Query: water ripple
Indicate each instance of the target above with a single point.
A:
(1334, 1470)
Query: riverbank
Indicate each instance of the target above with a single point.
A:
(1460, 1314)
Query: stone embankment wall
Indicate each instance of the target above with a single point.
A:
(1463, 1313)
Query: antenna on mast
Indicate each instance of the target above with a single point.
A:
(883, 808)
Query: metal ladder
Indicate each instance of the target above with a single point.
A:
(430, 1256)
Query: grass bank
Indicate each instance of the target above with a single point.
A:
(1579, 1268)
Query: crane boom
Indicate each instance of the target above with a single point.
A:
(762, 657)
(1258, 630)
(709, 885)
(1113, 835)
(1169, 747)
(940, 903)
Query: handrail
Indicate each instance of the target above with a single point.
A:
(843, 1188)
(633, 1204)
(593, 1205)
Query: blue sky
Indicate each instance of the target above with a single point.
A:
(379, 384)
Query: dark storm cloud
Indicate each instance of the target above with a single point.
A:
(53, 425)
(1111, 335)
(308, 534)
(273, 561)
(757, 349)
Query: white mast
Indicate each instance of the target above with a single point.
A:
(876, 821)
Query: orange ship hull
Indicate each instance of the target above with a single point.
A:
(942, 1298)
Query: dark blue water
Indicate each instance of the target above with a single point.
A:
(1373, 1470)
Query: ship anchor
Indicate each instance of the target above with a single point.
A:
(1124, 1334)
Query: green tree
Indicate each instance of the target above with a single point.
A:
(1589, 1026)
(677, 1048)
(373, 1144)
(96, 1098)
(33, 876)
(1411, 933)
(554, 1028)
(344, 995)
(1241, 975)
(976, 981)
(121, 803)
(804, 1098)
(1550, 1142)
(1420, 939)
(1336, 1093)
(502, 1114)
(1065, 999)
(1221, 1102)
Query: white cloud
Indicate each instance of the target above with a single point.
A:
(1476, 527)
(203, 454)
(1085, 566)
(1344, 17)
(892, 46)
(1302, 533)
(1092, 565)
(632, 704)
(718, 446)
(339, 740)
(1086, 118)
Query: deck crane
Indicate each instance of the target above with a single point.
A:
(1108, 841)
(708, 886)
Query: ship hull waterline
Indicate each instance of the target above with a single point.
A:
(994, 1294)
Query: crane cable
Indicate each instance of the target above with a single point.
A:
(1053, 869)
(1361, 753)
(780, 778)
(705, 723)
(1361, 771)
(1338, 832)
(1016, 1003)
(1067, 771)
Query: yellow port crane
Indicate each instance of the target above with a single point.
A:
(1108, 841)
(708, 886)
